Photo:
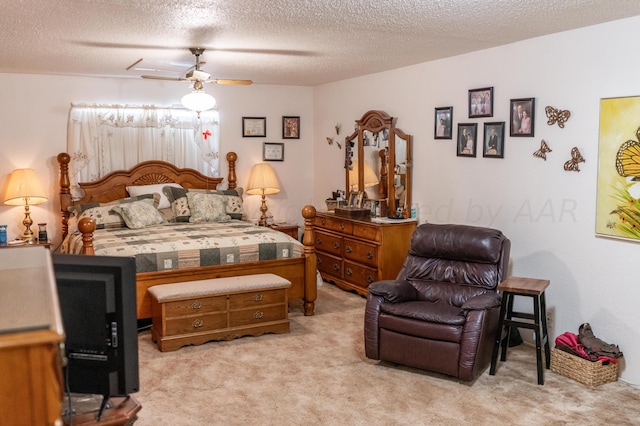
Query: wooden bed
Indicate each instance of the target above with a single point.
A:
(301, 271)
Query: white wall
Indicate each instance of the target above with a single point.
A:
(548, 213)
(34, 111)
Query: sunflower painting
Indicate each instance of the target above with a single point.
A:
(618, 200)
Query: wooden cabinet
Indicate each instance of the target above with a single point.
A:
(31, 335)
(291, 230)
(353, 253)
(193, 320)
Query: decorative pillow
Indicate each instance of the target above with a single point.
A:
(102, 213)
(207, 208)
(151, 189)
(139, 214)
(180, 204)
(79, 208)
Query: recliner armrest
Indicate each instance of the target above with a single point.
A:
(394, 291)
(483, 301)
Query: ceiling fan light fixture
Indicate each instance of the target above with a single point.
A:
(198, 101)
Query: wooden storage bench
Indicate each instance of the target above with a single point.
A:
(195, 312)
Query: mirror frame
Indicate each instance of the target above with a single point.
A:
(376, 121)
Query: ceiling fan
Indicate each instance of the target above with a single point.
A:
(198, 76)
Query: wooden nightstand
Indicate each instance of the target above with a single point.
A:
(287, 228)
(36, 244)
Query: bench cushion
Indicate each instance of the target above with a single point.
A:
(166, 292)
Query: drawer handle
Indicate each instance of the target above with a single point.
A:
(197, 323)
(322, 221)
(336, 267)
(369, 279)
(258, 315)
(318, 241)
(318, 261)
(196, 305)
(369, 255)
(336, 245)
(348, 249)
(258, 297)
(349, 271)
(342, 226)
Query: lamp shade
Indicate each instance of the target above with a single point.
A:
(370, 177)
(24, 188)
(263, 180)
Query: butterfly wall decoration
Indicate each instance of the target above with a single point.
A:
(330, 142)
(557, 116)
(576, 158)
(628, 157)
(542, 152)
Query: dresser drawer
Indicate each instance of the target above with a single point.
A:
(194, 306)
(360, 275)
(334, 224)
(257, 298)
(329, 243)
(361, 252)
(367, 232)
(329, 265)
(258, 315)
(194, 324)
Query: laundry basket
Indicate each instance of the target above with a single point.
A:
(582, 370)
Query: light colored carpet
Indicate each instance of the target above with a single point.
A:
(318, 375)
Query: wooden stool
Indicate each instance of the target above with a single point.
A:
(517, 286)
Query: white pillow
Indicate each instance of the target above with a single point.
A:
(134, 191)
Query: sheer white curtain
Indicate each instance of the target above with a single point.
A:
(104, 138)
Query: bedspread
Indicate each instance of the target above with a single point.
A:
(190, 245)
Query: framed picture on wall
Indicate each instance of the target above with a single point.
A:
(522, 117)
(493, 145)
(273, 151)
(290, 127)
(443, 122)
(254, 127)
(481, 102)
(467, 138)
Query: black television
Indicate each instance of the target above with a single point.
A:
(97, 296)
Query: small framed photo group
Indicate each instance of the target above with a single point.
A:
(522, 118)
(493, 143)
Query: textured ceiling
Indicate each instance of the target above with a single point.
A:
(293, 42)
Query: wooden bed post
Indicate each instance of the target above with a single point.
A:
(310, 274)
(65, 191)
(232, 157)
(86, 226)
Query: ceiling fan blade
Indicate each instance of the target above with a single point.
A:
(159, 77)
(238, 82)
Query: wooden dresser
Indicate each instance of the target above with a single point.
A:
(353, 253)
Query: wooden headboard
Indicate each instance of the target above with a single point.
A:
(113, 186)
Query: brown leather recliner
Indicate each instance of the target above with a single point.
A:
(441, 312)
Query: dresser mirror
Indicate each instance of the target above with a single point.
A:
(379, 162)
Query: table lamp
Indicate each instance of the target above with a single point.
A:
(370, 177)
(263, 181)
(24, 189)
